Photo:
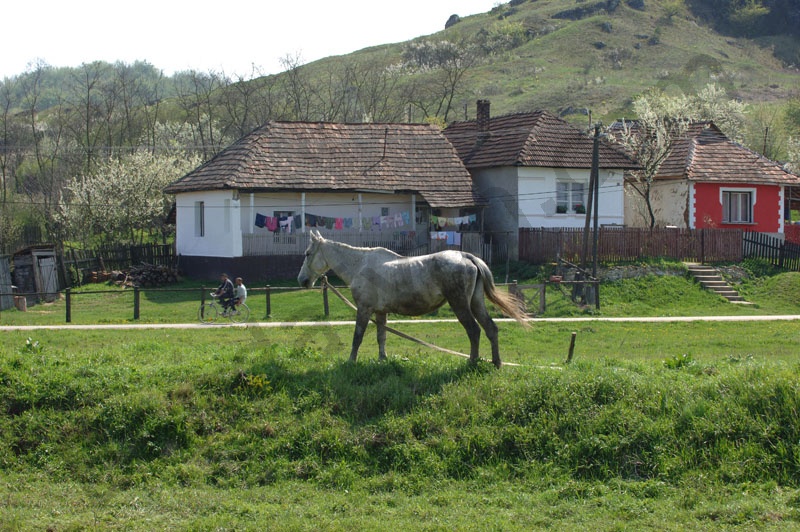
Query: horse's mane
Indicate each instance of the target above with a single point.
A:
(362, 248)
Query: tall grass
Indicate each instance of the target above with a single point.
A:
(231, 413)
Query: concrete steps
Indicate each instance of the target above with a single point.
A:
(710, 279)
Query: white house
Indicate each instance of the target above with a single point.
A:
(248, 210)
(533, 169)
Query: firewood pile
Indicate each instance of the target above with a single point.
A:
(150, 275)
(142, 276)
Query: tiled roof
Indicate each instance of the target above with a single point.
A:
(307, 156)
(530, 139)
(706, 154)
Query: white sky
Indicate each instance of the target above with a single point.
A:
(229, 37)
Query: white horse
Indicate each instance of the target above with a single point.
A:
(382, 281)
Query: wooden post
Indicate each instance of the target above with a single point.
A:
(202, 295)
(325, 298)
(68, 300)
(136, 302)
(571, 348)
(269, 303)
(597, 295)
(542, 303)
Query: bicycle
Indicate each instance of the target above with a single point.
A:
(210, 311)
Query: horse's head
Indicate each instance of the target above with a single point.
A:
(314, 265)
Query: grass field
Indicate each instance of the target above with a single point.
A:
(662, 426)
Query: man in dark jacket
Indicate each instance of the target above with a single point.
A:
(225, 292)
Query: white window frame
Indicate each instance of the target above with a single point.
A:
(566, 192)
(726, 198)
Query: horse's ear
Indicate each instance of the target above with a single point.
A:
(315, 235)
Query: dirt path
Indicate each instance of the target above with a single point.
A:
(270, 324)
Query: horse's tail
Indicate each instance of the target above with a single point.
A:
(509, 304)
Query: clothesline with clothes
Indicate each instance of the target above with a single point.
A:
(288, 224)
(440, 222)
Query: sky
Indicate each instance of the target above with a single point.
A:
(229, 37)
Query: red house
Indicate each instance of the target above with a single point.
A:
(709, 181)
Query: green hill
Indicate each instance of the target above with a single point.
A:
(596, 56)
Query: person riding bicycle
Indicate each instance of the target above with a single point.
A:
(225, 292)
(239, 292)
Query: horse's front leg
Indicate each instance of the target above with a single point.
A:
(362, 320)
(380, 321)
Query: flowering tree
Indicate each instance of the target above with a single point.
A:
(662, 122)
(122, 201)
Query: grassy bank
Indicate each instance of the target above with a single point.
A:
(667, 426)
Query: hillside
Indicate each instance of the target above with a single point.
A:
(596, 56)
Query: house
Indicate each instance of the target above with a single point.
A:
(709, 181)
(248, 209)
(533, 169)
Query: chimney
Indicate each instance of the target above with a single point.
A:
(482, 119)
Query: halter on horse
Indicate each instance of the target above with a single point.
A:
(384, 282)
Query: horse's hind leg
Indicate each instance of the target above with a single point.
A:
(380, 321)
(362, 320)
(478, 306)
(466, 319)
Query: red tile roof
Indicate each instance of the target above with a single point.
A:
(530, 139)
(706, 154)
(305, 156)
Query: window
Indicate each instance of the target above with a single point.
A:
(199, 218)
(570, 197)
(737, 206)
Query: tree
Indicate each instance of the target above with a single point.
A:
(122, 201)
(438, 70)
(650, 139)
(662, 122)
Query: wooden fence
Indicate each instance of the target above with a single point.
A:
(620, 244)
(781, 253)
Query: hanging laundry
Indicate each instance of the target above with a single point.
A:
(285, 224)
(298, 221)
(261, 220)
(338, 224)
(406, 218)
(348, 223)
(272, 223)
(311, 220)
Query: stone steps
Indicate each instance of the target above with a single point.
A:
(710, 279)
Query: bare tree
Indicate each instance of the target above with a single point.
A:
(439, 69)
(196, 97)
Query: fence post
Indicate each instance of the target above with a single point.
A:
(202, 295)
(325, 298)
(68, 300)
(542, 298)
(269, 303)
(597, 295)
(136, 302)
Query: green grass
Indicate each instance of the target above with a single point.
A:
(237, 428)
(668, 426)
(768, 291)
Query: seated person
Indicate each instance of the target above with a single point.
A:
(225, 292)
(239, 292)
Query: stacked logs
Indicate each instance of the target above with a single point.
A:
(150, 275)
(142, 276)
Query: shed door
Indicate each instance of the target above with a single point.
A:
(48, 277)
